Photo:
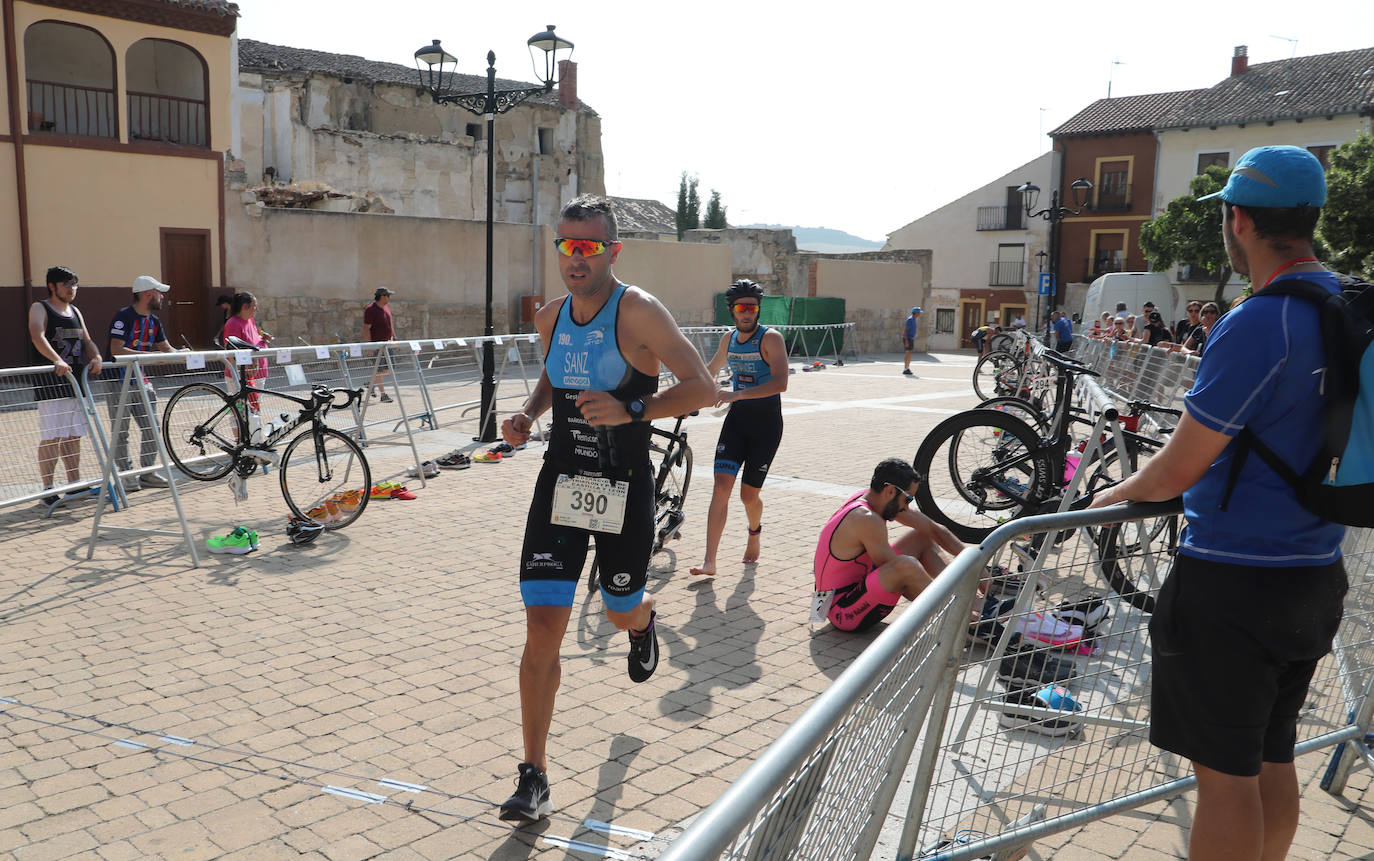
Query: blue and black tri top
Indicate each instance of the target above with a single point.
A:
(587, 356)
(749, 368)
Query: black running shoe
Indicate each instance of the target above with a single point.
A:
(531, 801)
(1027, 666)
(644, 652)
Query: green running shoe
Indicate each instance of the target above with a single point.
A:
(238, 542)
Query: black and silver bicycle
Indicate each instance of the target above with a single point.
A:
(323, 473)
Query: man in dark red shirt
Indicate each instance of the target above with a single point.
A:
(377, 327)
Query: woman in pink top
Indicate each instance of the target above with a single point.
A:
(241, 325)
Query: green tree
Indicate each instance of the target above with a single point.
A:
(1189, 231)
(688, 216)
(1347, 221)
(715, 213)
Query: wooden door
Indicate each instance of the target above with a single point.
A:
(970, 317)
(186, 268)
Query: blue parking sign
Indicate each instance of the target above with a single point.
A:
(1046, 285)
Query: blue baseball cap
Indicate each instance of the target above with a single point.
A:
(916, 310)
(1275, 177)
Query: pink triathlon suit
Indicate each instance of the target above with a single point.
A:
(860, 600)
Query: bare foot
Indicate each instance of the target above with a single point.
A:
(751, 550)
(706, 569)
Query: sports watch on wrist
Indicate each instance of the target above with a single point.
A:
(636, 410)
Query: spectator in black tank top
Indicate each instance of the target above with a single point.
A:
(57, 334)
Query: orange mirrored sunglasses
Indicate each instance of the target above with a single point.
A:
(745, 307)
(586, 247)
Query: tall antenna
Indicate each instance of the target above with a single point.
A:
(1110, 73)
(1293, 43)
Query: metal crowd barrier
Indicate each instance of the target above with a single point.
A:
(990, 766)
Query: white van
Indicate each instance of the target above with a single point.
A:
(1133, 288)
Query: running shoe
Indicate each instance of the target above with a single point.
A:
(531, 801)
(381, 490)
(385, 398)
(431, 469)
(1047, 630)
(908, 373)
(402, 493)
(237, 542)
(453, 460)
(504, 449)
(1089, 613)
(1050, 697)
(492, 456)
(644, 652)
(1026, 665)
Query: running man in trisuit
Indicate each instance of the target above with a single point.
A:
(604, 343)
(752, 431)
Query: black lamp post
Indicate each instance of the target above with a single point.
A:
(1054, 215)
(436, 68)
(1040, 268)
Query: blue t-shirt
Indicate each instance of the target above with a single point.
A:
(1063, 329)
(139, 332)
(911, 327)
(1263, 368)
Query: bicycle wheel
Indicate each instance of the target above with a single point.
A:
(996, 375)
(203, 431)
(671, 494)
(1023, 410)
(981, 467)
(1001, 341)
(323, 467)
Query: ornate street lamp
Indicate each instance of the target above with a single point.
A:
(436, 68)
(1054, 214)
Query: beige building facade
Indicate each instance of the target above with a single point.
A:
(114, 125)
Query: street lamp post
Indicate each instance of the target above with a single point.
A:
(439, 65)
(1040, 266)
(1054, 215)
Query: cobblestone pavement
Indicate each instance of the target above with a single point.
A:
(357, 698)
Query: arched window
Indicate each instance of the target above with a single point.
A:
(70, 71)
(166, 92)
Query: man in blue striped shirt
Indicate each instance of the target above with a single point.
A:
(136, 329)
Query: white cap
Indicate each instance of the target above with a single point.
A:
(148, 282)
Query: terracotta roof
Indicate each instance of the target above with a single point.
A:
(1316, 86)
(646, 216)
(1125, 114)
(221, 7)
(263, 58)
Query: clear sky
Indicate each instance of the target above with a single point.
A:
(859, 115)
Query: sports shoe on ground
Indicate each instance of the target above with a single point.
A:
(153, 479)
(237, 542)
(1026, 665)
(50, 499)
(431, 469)
(385, 398)
(995, 613)
(487, 457)
(644, 652)
(131, 484)
(252, 537)
(403, 493)
(907, 372)
(453, 460)
(531, 801)
(1049, 697)
(504, 449)
(1047, 630)
(381, 490)
(1090, 612)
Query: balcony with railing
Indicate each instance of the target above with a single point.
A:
(1102, 264)
(1006, 274)
(71, 110)
(1113, 200)
(169, 119)
(1001, 218)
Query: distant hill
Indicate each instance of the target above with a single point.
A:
(824, 239)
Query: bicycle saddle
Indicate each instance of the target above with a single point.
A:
(232, 343)
(1059, 360)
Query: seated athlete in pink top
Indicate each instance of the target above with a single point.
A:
(855, 562)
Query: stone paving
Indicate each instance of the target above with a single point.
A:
(252, 708)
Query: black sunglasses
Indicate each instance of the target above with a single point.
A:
(910, 497)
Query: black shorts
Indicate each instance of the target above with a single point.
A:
(748, 440)
(1234, 649)
(552, 557)
(908, 343)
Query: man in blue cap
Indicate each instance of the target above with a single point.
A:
(1255, 595)
(909, 337)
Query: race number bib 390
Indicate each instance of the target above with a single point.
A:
(596, 504)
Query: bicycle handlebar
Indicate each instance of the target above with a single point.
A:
(1139, 407)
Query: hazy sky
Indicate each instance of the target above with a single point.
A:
(861, 115)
